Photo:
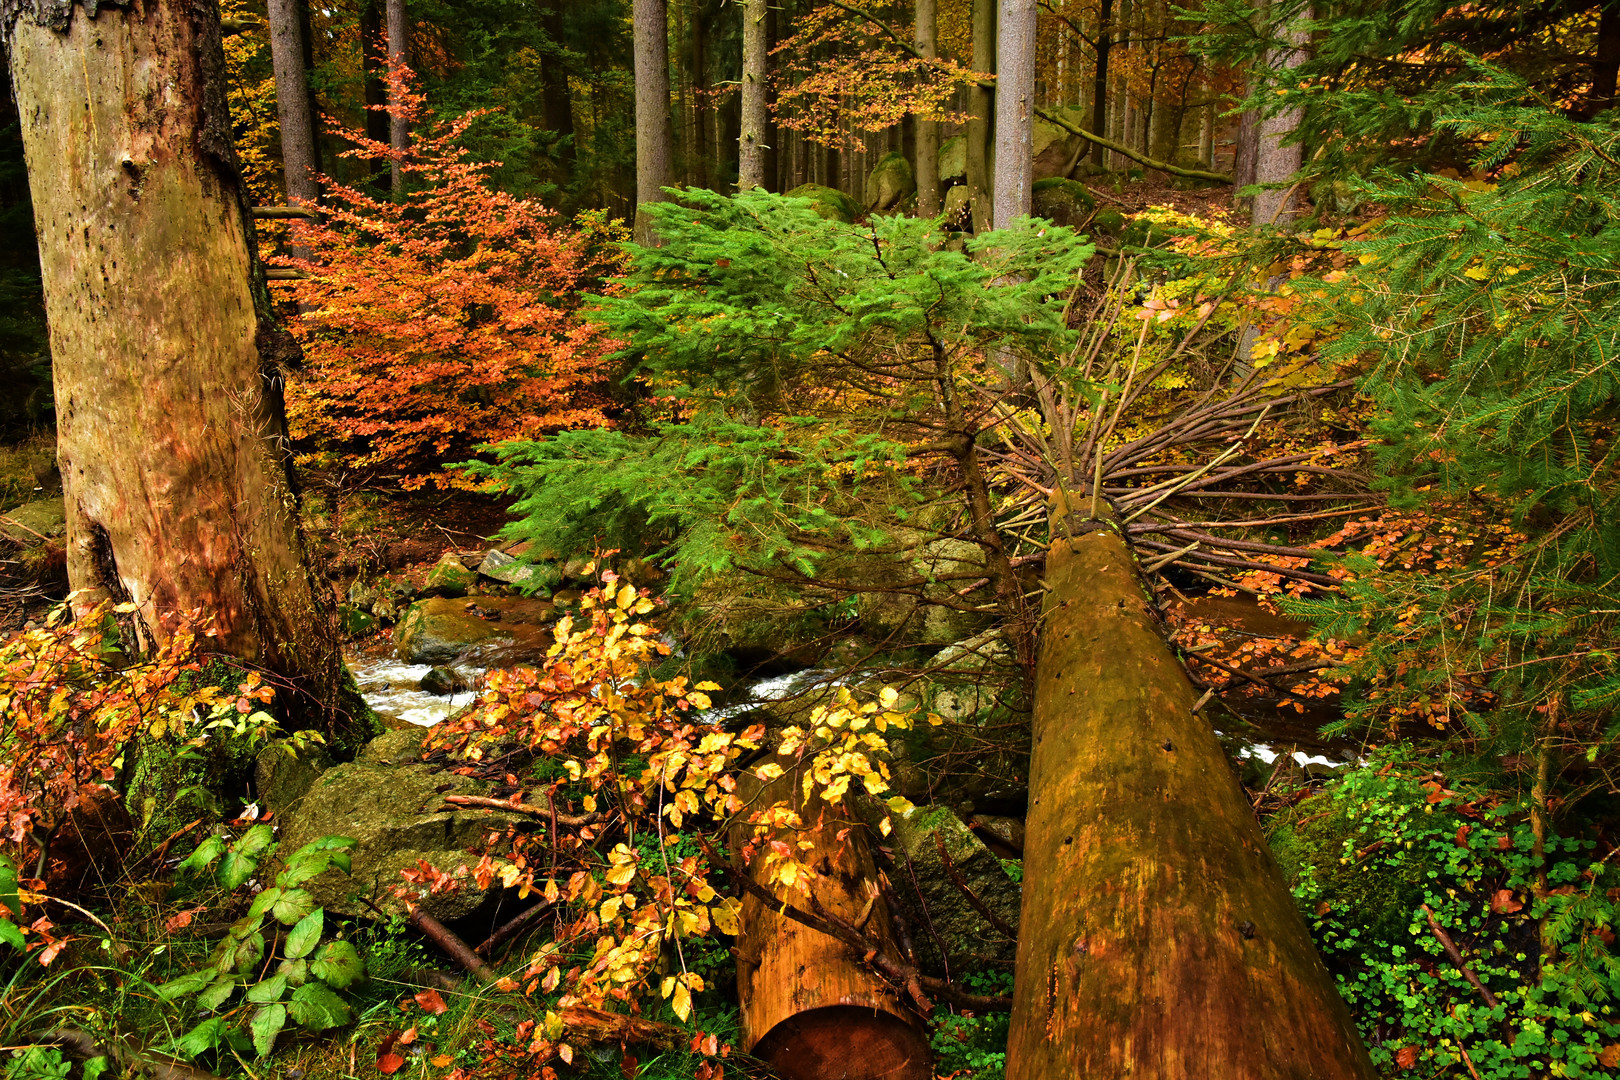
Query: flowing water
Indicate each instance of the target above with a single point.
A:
(394, 690)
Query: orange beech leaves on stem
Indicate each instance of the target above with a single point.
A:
(446, 320)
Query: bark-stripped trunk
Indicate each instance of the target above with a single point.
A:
(1015, 111)
(927, 131)
(298, 163)
(651, 29)
(751, 143)
(399, 135)
(981, 109)
(167, 360)
(810, 1006)
(1157, 940)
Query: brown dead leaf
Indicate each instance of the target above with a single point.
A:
(181, 920)
(390, 1063)
(1503, 843)
(1503, 902)
(408, 1036)
(431, 1002)
(629, 1066)
(1406, 1056)
(1610, 1058)
(1461, 839)
(441, 1061)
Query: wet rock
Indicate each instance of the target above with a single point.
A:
(438, 630)
(35, 522)
(449, 577)
(389, 801)
(499, 566)
(830, 203)
(891, 181)
(1003, 833)
(1062, 201)
(442, 681)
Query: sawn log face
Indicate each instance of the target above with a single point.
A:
(1158, 940)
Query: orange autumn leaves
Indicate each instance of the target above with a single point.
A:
(443, 321)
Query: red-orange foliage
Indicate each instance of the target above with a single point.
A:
(443, 321)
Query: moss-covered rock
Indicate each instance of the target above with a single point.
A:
(829, 202)
(933, 899)
(449, 577)
(1062, 201)
(953, 159)
(956, 208)
(356, 623)
(388, 801)
(1053, 150)
(438, 630)
(891, 181)
(1321, 839)
(903, 618)
(282, 775)
(35, 522)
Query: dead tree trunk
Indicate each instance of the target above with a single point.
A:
(755, 118)
(1157, 939)
(810, 1006)
(167, 361)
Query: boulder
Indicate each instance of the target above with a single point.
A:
(356, 623)
(900, 618)
(953, 159)
(282, 775)
(442, 681)
(890, 182)
(930, 895)
(499, 566)
(449, 577)
(440, 629)
(1054, 149)
(956, 208)
(35, 522)
(829, 202)
(388, 801)
(1062, 201)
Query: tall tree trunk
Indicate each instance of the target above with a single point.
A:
(810, 1006)
(1099, 86)
(982, 97)
(556, 101)
(298, 164)
(755, 117)
(1015, 111)
(399, 136)
(1273, 161)
(651, 25)
(1158, 940)
(700, 83)
(374, 64)
(167, 360)
(927, 131)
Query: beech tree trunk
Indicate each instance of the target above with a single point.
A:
(1158, 940)
(399, 135)
(810, 1007)
(927, 131)
(1015, 111)
(981, 109)
(374, 64)
(298, 164)
(167, 361)
(651, 27)
(755, 118)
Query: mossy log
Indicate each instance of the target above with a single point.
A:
(810, 1006)
(1158, 940)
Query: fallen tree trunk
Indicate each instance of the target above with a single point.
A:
(810, 1006)
(1158, 939)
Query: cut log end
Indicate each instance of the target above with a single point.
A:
(846, 1042)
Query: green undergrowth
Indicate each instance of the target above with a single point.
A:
(1390, 852)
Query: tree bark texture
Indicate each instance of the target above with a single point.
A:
(982, 105)
(1099, 87)
(1015, 111)
(1274, 162)
(755, 117)
(927, 131)
(650, 20)
(168, 364)
(399, 135)
(298, 163)
(810, 1007)
(1158, 940)
(374, 63)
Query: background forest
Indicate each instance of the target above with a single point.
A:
(972, 539)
